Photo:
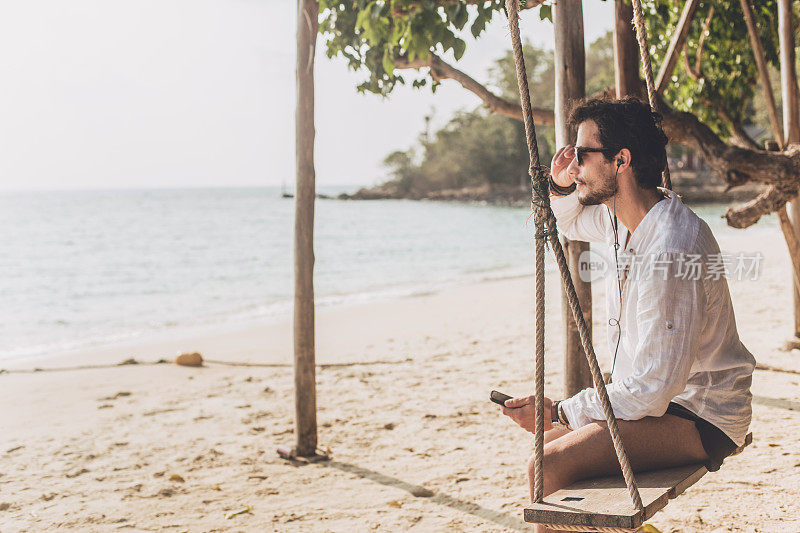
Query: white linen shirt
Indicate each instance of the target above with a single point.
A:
(679, 341)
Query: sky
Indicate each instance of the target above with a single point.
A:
(199, 93)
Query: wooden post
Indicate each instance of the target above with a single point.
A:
(570, 78)
(792, 240)
(676, 45)
(305, 394)
(791, 119)
(626, 51)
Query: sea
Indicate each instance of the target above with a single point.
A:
(89, 268)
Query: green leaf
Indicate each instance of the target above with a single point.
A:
(546, 13)
(461, 16)
(478, 26)
(398, 31)
(459, 47)
(388, 63)
(362, 19)
(448, 40)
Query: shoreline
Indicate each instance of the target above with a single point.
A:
(151, 341)
(694, 187)
(218, 339)
(165, 344)
(58, 344)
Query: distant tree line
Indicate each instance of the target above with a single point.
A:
(477, 148)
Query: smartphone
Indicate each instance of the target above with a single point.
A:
(499, 398)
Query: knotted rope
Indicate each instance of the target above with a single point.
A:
(641, 36)
(543, 216)
(540, 201)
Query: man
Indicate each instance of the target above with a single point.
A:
(681, 377)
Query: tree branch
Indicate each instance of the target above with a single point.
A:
(739, 137)
(399, 10)
(763, 73)
(771, 200)
(736, 165)
(792, 242)
(697, 72)
(441, 70)
(676, 45)
(527, 5)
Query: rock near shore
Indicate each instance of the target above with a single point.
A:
(693, 187)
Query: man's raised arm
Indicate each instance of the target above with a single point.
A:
(575, 221)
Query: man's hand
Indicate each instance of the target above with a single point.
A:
(558, 167)
(521, 411)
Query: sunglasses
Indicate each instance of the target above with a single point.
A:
(581, 151)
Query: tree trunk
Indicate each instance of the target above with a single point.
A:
(626, 51)
(791, 120)
(570, 74)
(305, 395)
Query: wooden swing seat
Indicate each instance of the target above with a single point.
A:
(603, 504)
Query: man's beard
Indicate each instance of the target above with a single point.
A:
(600, 194)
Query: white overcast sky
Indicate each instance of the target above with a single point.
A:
(180, 93)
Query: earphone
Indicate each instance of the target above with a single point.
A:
(615, 228)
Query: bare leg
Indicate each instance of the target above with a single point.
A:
(554, 433)
(650, 443)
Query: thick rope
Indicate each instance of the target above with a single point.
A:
(594, 368)
(538, 385)
(543, 213)
(541, 202)
(641, 36)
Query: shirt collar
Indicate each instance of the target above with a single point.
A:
(649, 223)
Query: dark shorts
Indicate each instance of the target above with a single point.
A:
(717, 444)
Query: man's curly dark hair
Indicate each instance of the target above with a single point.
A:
(628, 123)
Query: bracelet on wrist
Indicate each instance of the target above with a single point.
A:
(562, 418)
(560, 190)
(554, 411)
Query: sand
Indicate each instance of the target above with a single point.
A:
(415, 444)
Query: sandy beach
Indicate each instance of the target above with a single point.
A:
(402, 409)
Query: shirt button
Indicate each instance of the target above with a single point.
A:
(669, 324)
(631, 250)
